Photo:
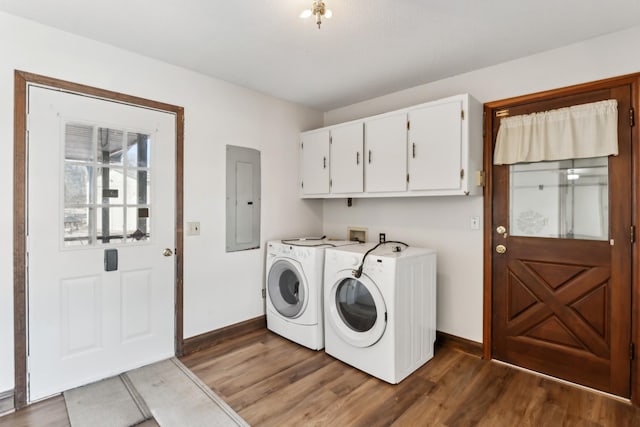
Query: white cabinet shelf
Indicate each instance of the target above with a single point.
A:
(431, 149)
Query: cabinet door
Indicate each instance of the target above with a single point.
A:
(346, 159)
(386, 153)
(315, 162)
(435, 147)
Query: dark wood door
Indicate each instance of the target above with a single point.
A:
(562, 305)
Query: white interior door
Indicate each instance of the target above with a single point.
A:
(101, 176)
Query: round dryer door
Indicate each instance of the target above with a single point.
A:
(357, 311)
(287, 289)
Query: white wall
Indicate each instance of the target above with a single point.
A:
(443, 223)
(220, 288)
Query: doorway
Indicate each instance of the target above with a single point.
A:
(559, 250)
(100, 191)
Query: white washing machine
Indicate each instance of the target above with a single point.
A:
(383, 322)
(294, 278)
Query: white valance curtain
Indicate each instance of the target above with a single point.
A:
(580, 131)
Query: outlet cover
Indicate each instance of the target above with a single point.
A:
(193, 229)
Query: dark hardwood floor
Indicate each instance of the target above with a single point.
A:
(270, 381)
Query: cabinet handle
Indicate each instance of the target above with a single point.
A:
(414, 150)
(369, 156)
(324, 163)
(357, 157)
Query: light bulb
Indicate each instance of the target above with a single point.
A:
(306, 13)
(328, 14)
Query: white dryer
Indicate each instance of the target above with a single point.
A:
(294, 278)
(383, 322)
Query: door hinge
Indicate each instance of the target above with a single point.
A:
(632, 120)
(330, 183)
(264, 293)
(408, 125)
(632, 351)
(461, 173)
(302, 145)
(407, 177)
(633, 234)
(462, 114)
(302, 184)
(331, 140)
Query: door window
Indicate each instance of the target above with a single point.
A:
(286, 289)
(355, 305)
(567, 199)
(107, 185)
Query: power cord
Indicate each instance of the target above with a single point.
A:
(358, 272)
(293, 242)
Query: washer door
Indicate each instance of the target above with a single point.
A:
(357, 311)
(287, 288)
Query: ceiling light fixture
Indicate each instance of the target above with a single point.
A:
(319, 10)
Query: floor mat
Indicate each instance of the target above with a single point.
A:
(166, 391)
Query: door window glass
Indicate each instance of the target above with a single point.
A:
(567, 199)
(107, 185)
(355, 305)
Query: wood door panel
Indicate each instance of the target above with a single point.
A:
(559, 361)
(562, 306)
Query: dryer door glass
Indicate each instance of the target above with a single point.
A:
(286, 289)
(356, 305)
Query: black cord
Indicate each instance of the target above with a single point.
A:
(357, 273)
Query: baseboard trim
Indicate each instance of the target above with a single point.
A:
(209, 339)
(6, 401)
(451, 341)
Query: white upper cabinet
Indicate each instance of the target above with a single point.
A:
(431, 149)
(347, 158)
(386, 153)
(435, 146)
(315, 162)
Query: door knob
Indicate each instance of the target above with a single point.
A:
(501, 249)
(167, 252)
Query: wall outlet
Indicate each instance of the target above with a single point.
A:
(193, 229)
(382, 237)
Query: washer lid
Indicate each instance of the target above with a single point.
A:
(287, 288)
(357, 311)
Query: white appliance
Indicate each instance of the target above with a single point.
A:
(294, 277)
(384, 322)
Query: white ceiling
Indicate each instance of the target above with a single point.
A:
(369, 48)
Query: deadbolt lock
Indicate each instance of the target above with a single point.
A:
(501, 230)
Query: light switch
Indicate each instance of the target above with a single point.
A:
(475, 223)
(193, 229)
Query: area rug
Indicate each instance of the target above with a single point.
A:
(166, 391)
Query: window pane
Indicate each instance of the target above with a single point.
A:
(110, 146)
(78, 143)
(76, 226)
(110, 185)
(138, 187)
(138, 150)
(566, 199)
(110, 225)
(78, 188)
(138, 224)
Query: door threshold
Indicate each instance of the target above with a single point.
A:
(569, 383)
